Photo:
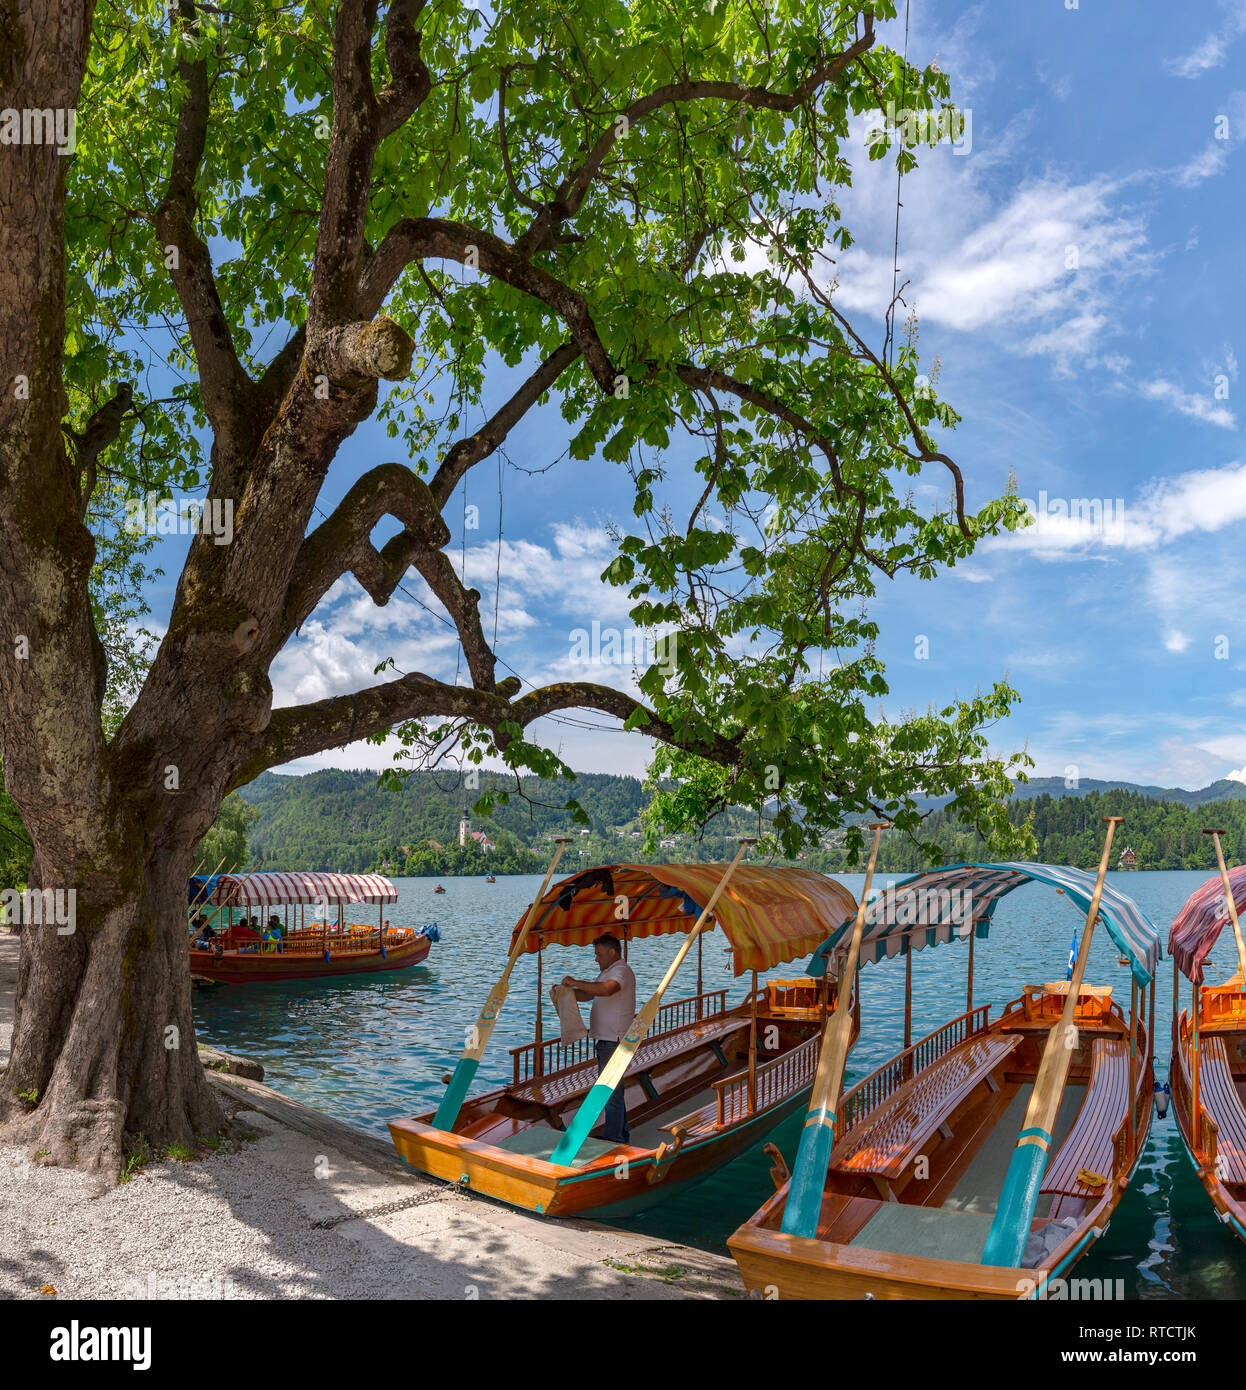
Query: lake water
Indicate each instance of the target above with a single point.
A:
(368, 1050)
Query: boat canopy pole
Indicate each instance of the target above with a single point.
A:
(1010, 1227)
(1232, 906)
(594, 1103)
(817, 1138)
(478, 1038)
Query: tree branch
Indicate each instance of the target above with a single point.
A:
(343, 543)
(431, 238)
(575, 185)
(226, 387)
(348, 169)
(97, 434)
(467, 452)
(411, 79)
(353, 354)
(302, 730)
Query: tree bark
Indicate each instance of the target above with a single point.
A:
(104, 1052)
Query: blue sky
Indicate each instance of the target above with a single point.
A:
(1077, 272)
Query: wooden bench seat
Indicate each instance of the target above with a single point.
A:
(882, 1146)
(559, 1087)
(1103, 1110)
(1218, 1095)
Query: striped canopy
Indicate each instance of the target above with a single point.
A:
(268, 890)
(768, 915)
(945, 901)
(1196, 927)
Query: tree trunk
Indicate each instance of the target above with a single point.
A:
(104, 1052)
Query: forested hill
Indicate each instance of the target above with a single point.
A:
(346, 821)
(1162, 834)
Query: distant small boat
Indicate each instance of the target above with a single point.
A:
(489, 878)
(439, 889)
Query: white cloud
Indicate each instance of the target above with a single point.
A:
(1197, 407)
(1213, 50)
(1209, 162)
(1202, 501)
(1037, 271)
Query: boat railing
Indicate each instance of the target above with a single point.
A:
(773, 1081)
(1093, 1006)
(1208, 1139)
(871, 1091)
(555, 1055)
(316, 943)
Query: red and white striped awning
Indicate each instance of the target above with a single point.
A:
(267, 890)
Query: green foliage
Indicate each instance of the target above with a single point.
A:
(16, 852)
(1069, 830)
(811, 457)
(226, 840)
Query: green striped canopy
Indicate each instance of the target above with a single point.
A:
(951, 901)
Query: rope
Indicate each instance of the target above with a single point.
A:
(895, 257)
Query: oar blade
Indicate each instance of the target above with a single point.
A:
(804, 1195)
(582, 1122)
(456, 1093)
(1009, 1231)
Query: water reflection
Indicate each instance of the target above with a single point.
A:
(367, 1050)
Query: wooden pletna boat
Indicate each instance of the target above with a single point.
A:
(983, 1160)
(703, 1081)
(315, 949)
(1207, 1072)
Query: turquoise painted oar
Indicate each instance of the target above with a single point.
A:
(465, 1072)
(817, 1138)
(612, 1073)
(1010, 1227)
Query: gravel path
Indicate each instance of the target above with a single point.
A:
(288, 1215)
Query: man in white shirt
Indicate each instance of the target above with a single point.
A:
(613, 993)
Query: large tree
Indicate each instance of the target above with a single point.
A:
(629, 207)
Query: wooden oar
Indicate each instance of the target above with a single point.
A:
(211, 876)
(817, 1138)
(451, 1102)
(1228, 894)
(612, 1073)
(1010, 1227)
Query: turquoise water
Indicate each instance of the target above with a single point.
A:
(367, 1050)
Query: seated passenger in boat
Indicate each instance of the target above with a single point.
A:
(205, 934)
(613, 993)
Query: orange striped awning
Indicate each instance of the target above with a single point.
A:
(769, 916)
